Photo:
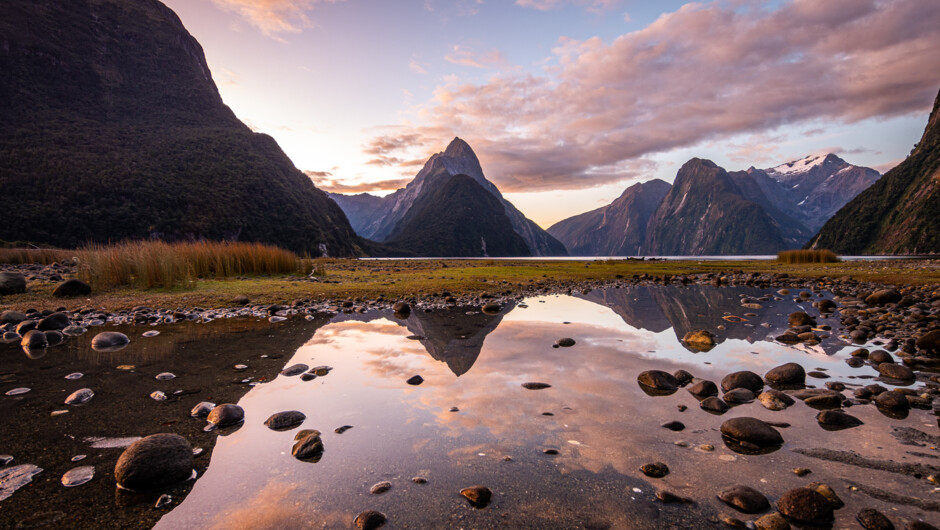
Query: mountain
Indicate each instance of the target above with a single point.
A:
(618, 229)
(113, 129)
(898, 214)
(813, 189)
(706, 213)
(458, 158)
(457, 218)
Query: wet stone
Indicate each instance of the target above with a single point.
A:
(154, 462)
(74, 376)
(341, 430)
(162, 501)
(370, 520)
(202, 409)
(872, 519)
(80, 396)
(419, 480)
(158, 396)
(78, 476)
(751, 430)
(295, 369)
(151, 333)
(658, 380)
(835, 419)
(804, 505)
(282, 421)
(704, 388)
(415, 380)
(565, 342)
(109, 340)
(671, 498)
(308, 446)
(478, 496)
(744, 499)
(738, 395)
(226, 414)
(775, 400)
(786, 374)
(380, 487)
(771, 521)
(165, 376)
(674, 426)
(827, 492)
(743, 379)
(655, 469)
(15, 477)
(536, 386)
(17, 391)
(714, 405)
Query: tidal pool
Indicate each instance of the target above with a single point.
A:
(471, 422)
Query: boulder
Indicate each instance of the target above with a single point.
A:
(880, 356)
(894, 401)
(883, 296)
(704, 388)
(71, 288)
(752, 431)
(774, 400)
(744, 499)
(743, 379)
(109, 340)
(714, 405)
(738, 395)
(837, 419)
(799, 318)
(896, 371)
(658, 380)
(55, 321)
(786, 374)
(154, 463)
(805, 506)
(226, 414)
(12, 283)
(701, 340)
(34, 339)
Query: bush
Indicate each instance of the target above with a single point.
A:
(807, 256)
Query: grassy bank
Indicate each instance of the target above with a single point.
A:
(351, 279)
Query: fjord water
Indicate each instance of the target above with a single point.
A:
(603, 426)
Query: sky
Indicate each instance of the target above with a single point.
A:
(569, 102)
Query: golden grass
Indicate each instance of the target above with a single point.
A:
(43, 256)
(807, 256)
(158, 265)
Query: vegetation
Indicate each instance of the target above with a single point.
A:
(159, 265)
(43, 256)
(807, 256)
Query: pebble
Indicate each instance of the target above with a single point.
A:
(536, 386)
(82, 395)
(419, 480)
(341, 430)
(157, 396)
(655, 469)
(151, 333)
(370, 520)
(479, 496)
(17, 391)
(872, 519)
(380, 487)
(164, 500)
(415, 380)
(78, 476)
(165, 376)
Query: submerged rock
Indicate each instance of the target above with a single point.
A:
(308, 445)
(281, 421)
(154, 463)
(109, 340)
(658, 380)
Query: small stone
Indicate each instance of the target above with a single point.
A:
(826, 491)
(801, 471)
(380, 487)
(17, 391)
(807, 506)
(202, 409)
(282, 421)
(157, 396)
(165, 376)
(295, 369)
(674, 426)
(671, 498)
(415, 380)
(309, 446)
(164, 500)
(566, 342)
(704, 388)
(751, 430)
(744, 499)
(80, 396)
(536, 386)
(786, 374)
(78, 476)
(151, 333)
(837, 419)
(743, 379)
(226, 414)
(419, 480)
(714, 405)
(341, 430)
(771, 521)
(74, 376)
(872, 519)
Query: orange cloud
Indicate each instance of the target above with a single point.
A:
(274, 17)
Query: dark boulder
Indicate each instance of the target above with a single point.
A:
(154, 463)
(704, 388)
(752, 431)
(71, 288)
(743, 379)
(929, 341)
(738, 395)
(799, 318)
(744, 499)
(836, 419)
(894, 401)
(714, 405)
(282, 421)
(11, 317)
(658, 380)
(34, 339)
(786, 374)
(226, 414)
(12, 283)
(883, 296)
(55, 321)
(896, 371)
(805, 506)
(880, 356)
(309, 446)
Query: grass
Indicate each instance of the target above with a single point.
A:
(157, 265)
(43, 256)
(807, 256)
(348, 279)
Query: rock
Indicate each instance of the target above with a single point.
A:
(806, 506)
(78, 476)
(894, 401)
(704, 388)
(880, 356)
(370, 520)
(154, 463)
(872, 519)
(920, 525)
(738, 395)
(772, 521)
(70, 288)
(658, 380)
(419, 480)
(800, 318)
(701, 340)
(202, 409)
(479, 496)
(751, 430)
(82, 395)
(26, 326)
(491, 308)
(929, 341)
(108, 340)
(671, 498)
(282, 421)
(837, 419)
(74, 331)
(655, 469)
(743, 379)
(828, 493)
(241, 300)
(801, 471)
(380, 487)
(294, 369)
(342, 429)
(883, 296)
(565, 342)
(673, 426)
(34, 339)
(11, 317)
(309, 446)
(825, 401)
(896, 371)
(226, 414)
(415, 380)
(12, 283)
(714, 405)
(775, 400)
(786, 374)
(826, 306)
(401, 308)
(165, 376)
(682, 377)
(744, 499)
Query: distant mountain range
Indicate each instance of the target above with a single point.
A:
(391, 219)
(898, 214)
(710, 211)
(114, 129)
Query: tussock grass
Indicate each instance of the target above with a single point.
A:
(159, 265)
(43, 256)
(807, 256)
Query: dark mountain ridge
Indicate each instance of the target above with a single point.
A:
(113, 129)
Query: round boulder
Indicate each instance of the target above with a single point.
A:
(282, 421)
(154, 463)
(799, 318)
(109, 340)
(929, 341)
(744, 499)
(896, 371)
(805, 506)
(71, 288)
(54, 322)
(226, 414)
(12, 283)
(658, 380)
(883, 296)
(700, 339)
(752, 431)
(786, 374)
(743, 379)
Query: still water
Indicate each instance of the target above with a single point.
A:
(470, 422)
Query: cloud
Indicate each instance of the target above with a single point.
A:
(704, 73)
(490, 60)
(326, 181)
(274, 17)
(593, 6)
(417, 67)
(887, 166)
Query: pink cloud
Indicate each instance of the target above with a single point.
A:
(703, 73)
(492, 59)
(594, 6)
(274, 17)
